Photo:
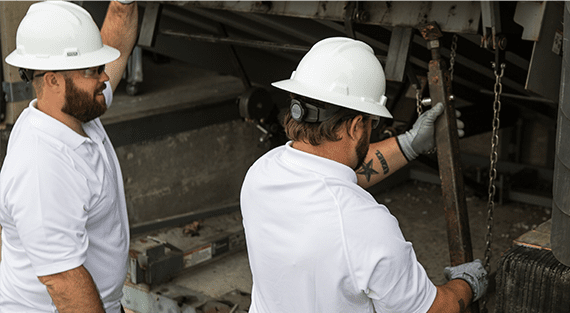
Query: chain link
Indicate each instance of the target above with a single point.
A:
(452, 56)
(418, 101)
(498, 89)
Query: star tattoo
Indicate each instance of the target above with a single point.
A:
(367, 170)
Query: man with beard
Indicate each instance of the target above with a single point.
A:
(317, 241)
(65, 232)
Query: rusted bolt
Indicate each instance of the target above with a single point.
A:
(502, 42)
(362, 16)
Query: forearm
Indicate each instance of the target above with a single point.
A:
(120, 32)
(383, 159)
(73, 291)
(453, 297)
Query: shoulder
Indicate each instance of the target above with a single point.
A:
(35, 156)
(262, 164)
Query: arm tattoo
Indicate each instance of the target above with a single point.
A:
(461, 305)
(367, 170)
(383, 162)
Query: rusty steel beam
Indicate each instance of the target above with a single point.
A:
(449, 159)
(452, 16)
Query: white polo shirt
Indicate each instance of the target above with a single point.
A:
(317, 242)
(62, 205)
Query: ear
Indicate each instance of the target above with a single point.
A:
(355, 127)
(54, 81)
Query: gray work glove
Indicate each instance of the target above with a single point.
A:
(420, 139)
(473, 273)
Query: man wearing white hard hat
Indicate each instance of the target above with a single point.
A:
(65, 232)
(317, 241)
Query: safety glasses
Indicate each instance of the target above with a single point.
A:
(375, 119)
(92, 72)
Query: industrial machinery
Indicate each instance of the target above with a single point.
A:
(186, 137)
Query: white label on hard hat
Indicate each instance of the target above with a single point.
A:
(71, 52)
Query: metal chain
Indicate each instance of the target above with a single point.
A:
(452, 56)
(498, 89)
(418, 101)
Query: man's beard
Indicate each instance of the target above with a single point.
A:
(80, 104)
(362, 149)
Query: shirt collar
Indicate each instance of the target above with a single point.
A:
(317, 164)
(54, 128)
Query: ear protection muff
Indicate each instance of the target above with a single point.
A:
(26, 74)
(298, 110)
(306, 112)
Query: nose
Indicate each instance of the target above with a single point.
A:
(103, 77)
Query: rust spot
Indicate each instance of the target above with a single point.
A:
(133, 253)
(452, 10)
(324, 5)
(435, 80)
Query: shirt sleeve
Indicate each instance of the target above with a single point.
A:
(384, 264)
(47, 202)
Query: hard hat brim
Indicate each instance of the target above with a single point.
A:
(354, 103)
(102, 56)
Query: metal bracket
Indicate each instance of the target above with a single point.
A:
(149, 25)
(493, 39)
(17, 91)
(157, 266)
(398, 53)
(354, 13)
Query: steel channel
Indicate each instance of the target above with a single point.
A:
(239, 42)
(247, 43)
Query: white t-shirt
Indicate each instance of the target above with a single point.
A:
(317, 242)
(62, 205)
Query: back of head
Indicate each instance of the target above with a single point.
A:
(59, 35)
(316, 133)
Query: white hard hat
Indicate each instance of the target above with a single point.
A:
(341, 71)
(59, 35)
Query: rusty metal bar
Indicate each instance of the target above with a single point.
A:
(449, 159)
(450, 171)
